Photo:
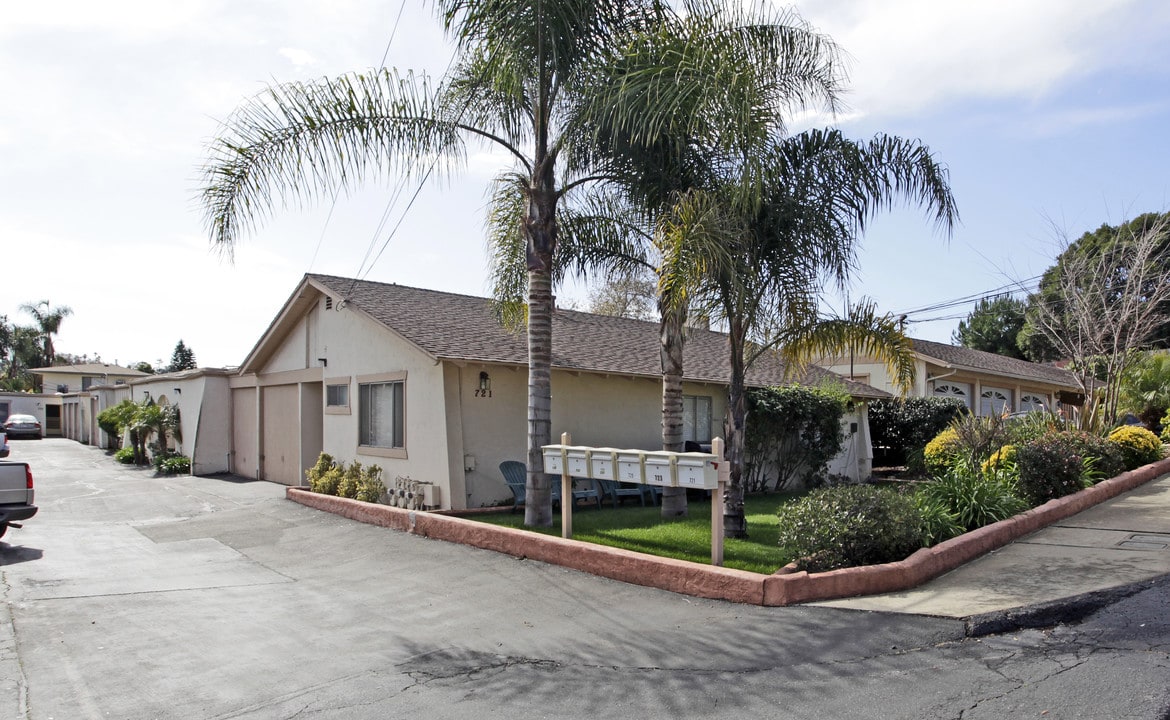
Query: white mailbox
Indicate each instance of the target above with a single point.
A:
(603, 464)
(578, 462)
(645, 467)
(697, 470)
(659, 469)
(553, 463)
(630, 466)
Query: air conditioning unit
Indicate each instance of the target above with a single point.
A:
(432, 496)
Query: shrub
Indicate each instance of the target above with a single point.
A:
(370, 487)
(317, 472)
(974, 498)
(1166, 427)
(850, 525)
(173, 464)
(1050, 467)
(1001, 461)
(1032, 425)
(793, 434)
(1138, 446)
(1101, 458)
(125, 455)
(978, 437)
(941, 452)
(351, 477)
(939, 523)
(900, 428)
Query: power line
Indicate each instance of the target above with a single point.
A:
(1027, 285)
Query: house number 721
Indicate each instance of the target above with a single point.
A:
(483, 393)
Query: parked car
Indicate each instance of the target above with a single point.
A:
(22, 426)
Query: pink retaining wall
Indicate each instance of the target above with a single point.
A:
(785, 587)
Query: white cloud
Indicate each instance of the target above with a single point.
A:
(910, 56)
(299, 58)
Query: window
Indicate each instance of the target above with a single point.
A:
(1031, 402)
(697, 418)
(382, 414)
(337, 396)
(961, 391)
(88, 382)
(995, 401)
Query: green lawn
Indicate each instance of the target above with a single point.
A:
(642, 529)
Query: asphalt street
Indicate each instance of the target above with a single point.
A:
(134, 596)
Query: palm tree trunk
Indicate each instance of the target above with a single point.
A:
(734, 520)
(672, 329)
(539, 227)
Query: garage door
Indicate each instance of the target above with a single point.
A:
(245, 459)
(282, 432)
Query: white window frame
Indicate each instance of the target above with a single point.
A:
(398, 414)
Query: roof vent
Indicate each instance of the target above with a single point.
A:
(328, 303)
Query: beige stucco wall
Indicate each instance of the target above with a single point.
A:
(856, 459)
(27, 404)
(597, 410)
(354, 347)
(878, 376)
(211, 440)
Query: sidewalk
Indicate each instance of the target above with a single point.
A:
(1108, 550)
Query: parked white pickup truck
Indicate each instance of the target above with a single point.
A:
(16, 494)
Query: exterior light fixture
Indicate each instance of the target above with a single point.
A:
(485, 386)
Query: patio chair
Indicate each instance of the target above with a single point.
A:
(613, 491)
(516, 475)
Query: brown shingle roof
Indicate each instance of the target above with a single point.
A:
(966, 358)
(462, 327)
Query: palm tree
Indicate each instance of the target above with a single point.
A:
(48, 320)
(525, 81)
(791, 218)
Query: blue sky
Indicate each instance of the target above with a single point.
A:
(1051, 116)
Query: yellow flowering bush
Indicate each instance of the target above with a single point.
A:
(1001, 459)
(941, 452)
(1138, 445)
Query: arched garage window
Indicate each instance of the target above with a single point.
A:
(995, 401)
(962, 391)
(1031, 402)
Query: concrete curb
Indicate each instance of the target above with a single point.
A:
(707, 581)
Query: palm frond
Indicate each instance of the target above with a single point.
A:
(863, 331)
(295, 141)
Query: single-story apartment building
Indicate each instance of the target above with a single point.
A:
(986, 383)
(430, 386)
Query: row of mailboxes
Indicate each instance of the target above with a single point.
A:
(646, 467)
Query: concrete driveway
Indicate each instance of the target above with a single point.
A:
(131, 596)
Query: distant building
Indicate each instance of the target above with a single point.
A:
(79, 378)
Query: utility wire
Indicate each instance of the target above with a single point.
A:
(1027, 285)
